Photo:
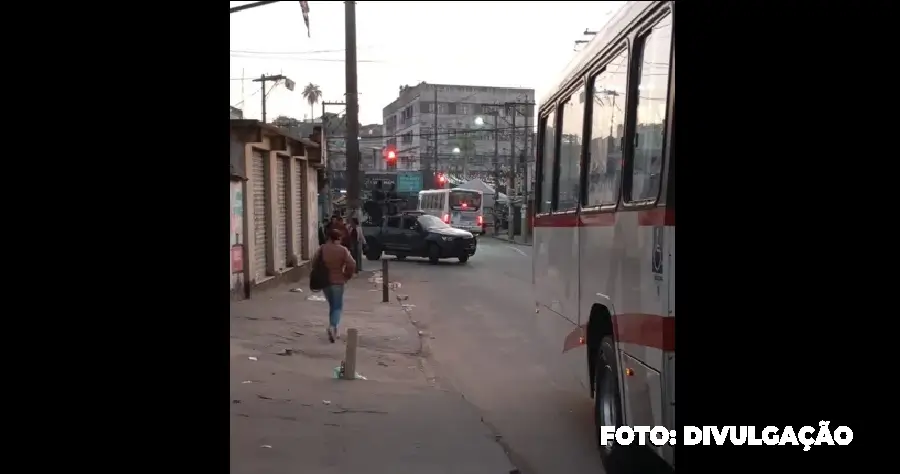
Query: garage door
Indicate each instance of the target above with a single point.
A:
(299, 205)
(282, 173)
(261, 257)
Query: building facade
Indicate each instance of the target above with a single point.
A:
(462, 131)
(274, 212)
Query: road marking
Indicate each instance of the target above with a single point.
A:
(518, 250)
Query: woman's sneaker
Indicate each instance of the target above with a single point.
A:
(330, 331)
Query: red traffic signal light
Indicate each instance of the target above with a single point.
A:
(441, 178)
(390, 154)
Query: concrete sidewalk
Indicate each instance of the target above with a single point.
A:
(288, 413)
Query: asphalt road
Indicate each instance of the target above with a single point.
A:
(487, 343)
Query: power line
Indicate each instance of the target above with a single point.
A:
(288, 52)
(238, 55)
(449, 133)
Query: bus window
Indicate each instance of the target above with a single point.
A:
(653, 92)
(547, 160)
(568, 190)
(469, 200)
(607, 132)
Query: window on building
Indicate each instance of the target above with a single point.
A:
(607, 132)
(568, 190)
(653, 93)
(548, 162)
(442, 108)
(463, 109)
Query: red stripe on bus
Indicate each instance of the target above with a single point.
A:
(659, 216)
(649, 330)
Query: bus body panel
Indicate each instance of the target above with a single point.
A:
(621, 257)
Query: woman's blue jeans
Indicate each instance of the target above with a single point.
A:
(334, 294)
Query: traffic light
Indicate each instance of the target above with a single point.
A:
(390, 154)
(441, 179)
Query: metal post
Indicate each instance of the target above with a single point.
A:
(352, 138)
(350, 356)
(384, 281)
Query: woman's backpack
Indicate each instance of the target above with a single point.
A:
(318, 275)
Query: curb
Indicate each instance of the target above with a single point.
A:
(506, 240)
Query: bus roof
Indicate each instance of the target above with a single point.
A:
(609, 36)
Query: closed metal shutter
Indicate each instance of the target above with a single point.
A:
(282, 174)
(299, 207)
(261, 257)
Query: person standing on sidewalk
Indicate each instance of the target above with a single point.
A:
(357, 241)
(341, 267)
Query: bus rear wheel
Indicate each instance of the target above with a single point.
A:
(607, 411)
(463, 258)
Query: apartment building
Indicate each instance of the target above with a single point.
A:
(462, 131)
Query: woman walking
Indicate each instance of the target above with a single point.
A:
(341, 267)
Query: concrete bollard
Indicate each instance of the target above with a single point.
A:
(350, 356)
(384, 281)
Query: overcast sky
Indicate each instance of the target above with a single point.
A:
(515, 44)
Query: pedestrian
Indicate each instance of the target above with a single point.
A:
(323, 232)
(357, 241)
(341, 266)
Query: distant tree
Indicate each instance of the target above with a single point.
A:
(283, 121)
(312, 94)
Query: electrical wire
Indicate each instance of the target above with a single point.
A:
(321, 51)
(333, 60)
(451, 133)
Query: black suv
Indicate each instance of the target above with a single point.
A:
(415, 234)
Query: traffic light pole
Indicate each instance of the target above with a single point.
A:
(352, 140)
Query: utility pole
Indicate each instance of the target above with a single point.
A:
(435, 133)
(496, 170)
(262, 84)
(511, 178)
(353, 203)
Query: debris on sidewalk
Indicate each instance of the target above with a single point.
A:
(266, 446)
(252, 358)
(338, 373)
(326, 402)
(296, 290)
(286, 352)
(315, 298)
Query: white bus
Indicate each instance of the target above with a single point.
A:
(604, 225)
(461, 208)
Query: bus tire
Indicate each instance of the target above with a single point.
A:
(607, 400)
(434, 254)
(463, 258)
